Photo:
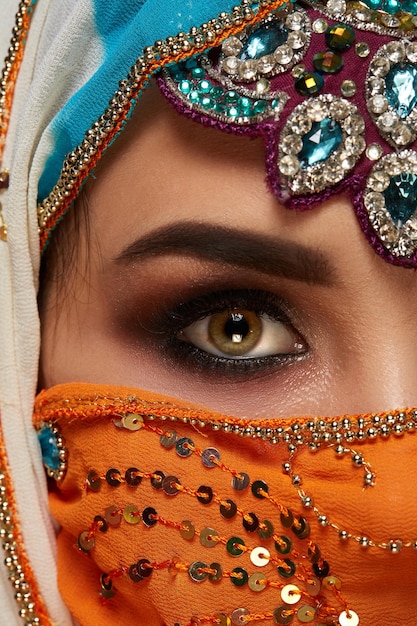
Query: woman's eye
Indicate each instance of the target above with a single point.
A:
(242, 334)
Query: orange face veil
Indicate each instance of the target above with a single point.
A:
(172, 514)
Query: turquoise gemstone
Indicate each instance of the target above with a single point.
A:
(373, 4)
(198, 72)
(401, 197)
(233, 111)
(190, 64)
(264, 41)
(231, 97)
(185, 86)
(319, 143)
(216, 92)
(194, 96)
(204, 86)
(260, 106)
(410, 6)
(245, 105)
(401, 88)
(391, 6)
(50, 453)
(207, 102)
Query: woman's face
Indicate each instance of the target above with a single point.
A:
(194, 282)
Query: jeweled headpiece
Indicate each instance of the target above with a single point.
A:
(331, 86)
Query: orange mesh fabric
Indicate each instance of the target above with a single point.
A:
(188, 541)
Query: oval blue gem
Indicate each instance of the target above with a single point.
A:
(319, 143)
(401, 88)
(401, 197)
(50, 452)
(264, 40)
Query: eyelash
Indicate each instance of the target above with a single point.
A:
(260, 302)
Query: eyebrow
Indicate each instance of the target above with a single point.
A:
(245, 249)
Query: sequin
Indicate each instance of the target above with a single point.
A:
(250, 522)
(241, 481)
(290, 594)
(134, 574)
(133, 477)
(101, 524)
(196, 571)
(266, 529)
(321, 570)
(184, 447)
(113, 516)
(235, 546)
(187, 530)
(209, 537)
(113, 477)
(282, 615)
(306, 614)
(259, 486)
(149, 516)
(284, 545)
(131, 514)
(287, 570)
(170, 485)
(340, 36)
(239, 617)
(260, 556)
(257, 582)
(205, 494)
(86, 541)
(287, 518)
(241, 577)
(93, 481)
(168, 439)
(218, 572)
(314, 553)
(401, 197)
(332, 582)
(301, 528)
(210, 457)
(157, 479)
(144, 568)
(228, 509)
(348, 618)
(131, 421)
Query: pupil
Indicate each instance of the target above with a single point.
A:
(236, 325)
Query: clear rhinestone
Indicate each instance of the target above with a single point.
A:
(401, 134)
(231, 46)
(248, 69)
(374, 201)
(348, 88)
(297, 40)
(291, 144)
(376, 85)
(355, 144)
(320, 25)
(354, 125)
(289, 165)
(266, 64)
(300, 124)
(283, 55)
(297, 70)
(388, 233)
(317, 110)
(295, 21)
(379, 180)
(363, 14)
(347, 161)
(386, 121)
(374, 152)
(336, 7)
(230, 65)
(395, 51)
(380, 66)
(339, 109)
(262, 86)
(411, 52)
(390, 21)
(378, 104)
(362, 49)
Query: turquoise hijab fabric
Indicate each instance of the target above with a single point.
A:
(119, 39)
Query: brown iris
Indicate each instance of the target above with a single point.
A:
(235, 332)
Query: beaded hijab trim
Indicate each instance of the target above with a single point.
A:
(331, 87)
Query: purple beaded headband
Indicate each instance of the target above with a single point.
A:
(331, 86)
